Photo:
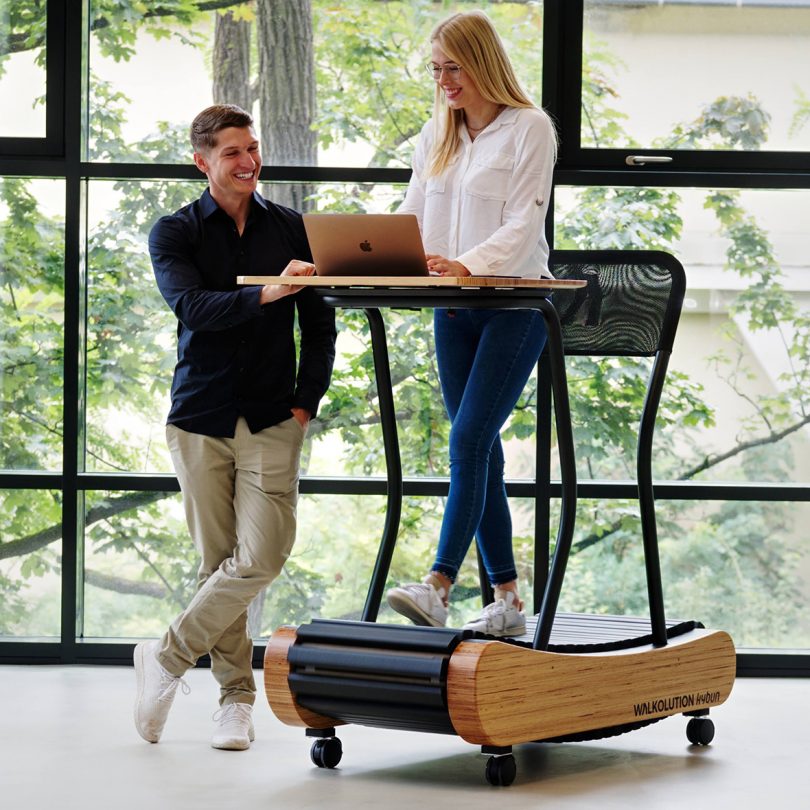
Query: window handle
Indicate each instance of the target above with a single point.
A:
(641, 160)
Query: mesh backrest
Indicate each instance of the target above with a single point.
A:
(630, 306)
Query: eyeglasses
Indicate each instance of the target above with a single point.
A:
(436, 70)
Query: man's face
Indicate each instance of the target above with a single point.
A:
(232, 164)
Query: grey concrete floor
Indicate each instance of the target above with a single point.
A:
(68, 741)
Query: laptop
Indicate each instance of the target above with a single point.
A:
(366, 244)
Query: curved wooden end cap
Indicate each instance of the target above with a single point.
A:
(501, 694)
(279, 696)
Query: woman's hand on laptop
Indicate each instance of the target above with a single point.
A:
(445, 267)
(272, 292)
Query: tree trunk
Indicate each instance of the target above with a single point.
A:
(231, 62)
(287, 93)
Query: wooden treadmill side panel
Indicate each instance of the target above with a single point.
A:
(501, 694)
(279, 696)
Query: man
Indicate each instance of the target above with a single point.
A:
(239, 412)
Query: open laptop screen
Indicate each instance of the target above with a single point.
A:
(366, 244)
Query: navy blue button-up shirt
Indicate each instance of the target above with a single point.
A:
(234, 356)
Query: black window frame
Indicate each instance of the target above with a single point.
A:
(60, 155)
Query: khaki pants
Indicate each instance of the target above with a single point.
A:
(240, 498)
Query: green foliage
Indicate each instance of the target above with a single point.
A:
(622, 219)
(601, 124)
(24, 25)
(728, 122)
(801, 116)
(116, 24)
(31, 316)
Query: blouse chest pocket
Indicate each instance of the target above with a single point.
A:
(489, 176)
(434, 185)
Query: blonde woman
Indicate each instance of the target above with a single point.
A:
(480, 189)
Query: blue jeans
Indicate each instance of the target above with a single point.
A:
(485, 357)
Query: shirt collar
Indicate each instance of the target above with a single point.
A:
(506, 118)
(208, 205)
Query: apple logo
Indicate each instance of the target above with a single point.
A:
(365, 246)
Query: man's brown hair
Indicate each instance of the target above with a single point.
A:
(214, 118)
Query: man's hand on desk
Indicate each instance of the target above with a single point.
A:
(272, 292)
(445, 267)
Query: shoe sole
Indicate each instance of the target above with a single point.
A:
(412, 611)
(231, 745)
(236, 746)
(140, 650)
(510, 633)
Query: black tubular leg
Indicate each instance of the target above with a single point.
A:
(393, 465)
(646, 499)
(568, 475)
(487, 592)
(542, 479)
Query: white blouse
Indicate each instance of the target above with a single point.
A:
(487, 210)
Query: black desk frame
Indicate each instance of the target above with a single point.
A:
(371, 299)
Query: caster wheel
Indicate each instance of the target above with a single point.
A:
(700, 731)
(501, 771)
(326, 753)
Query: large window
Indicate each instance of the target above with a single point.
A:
(94, 547)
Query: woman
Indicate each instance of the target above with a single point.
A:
(480, 188)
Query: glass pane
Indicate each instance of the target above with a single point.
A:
(30, 564)
(363, 59)
(31, 323)
(743, 567)
(131, 347)
(689, 75)
(736, 397)
(140, 565)
(22, 69)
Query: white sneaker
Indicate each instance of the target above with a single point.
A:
(234, 730)
(500, 618)
(421, 602)
(156, 689)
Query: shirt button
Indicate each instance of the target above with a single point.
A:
(538, 201)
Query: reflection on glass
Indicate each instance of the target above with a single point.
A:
(743, 86)
(360, 97)
(738, 566)
(736, 399)
(22, 69)
(30, 564)
(31, 323)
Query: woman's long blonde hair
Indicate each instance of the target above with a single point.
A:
(471, 41)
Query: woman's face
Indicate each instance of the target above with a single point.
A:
(459, 89)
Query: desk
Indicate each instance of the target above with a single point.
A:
(473, 292)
